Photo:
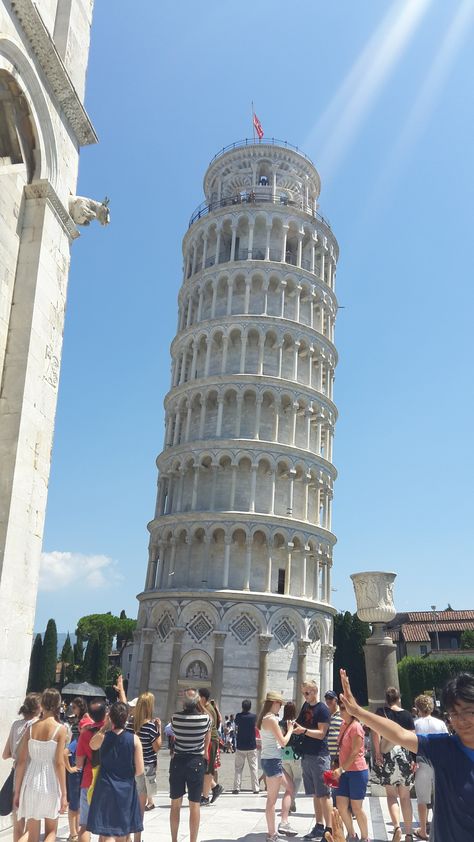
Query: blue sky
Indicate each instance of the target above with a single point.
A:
(379, 95)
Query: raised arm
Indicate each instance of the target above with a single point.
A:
(382, 726)
(119, 689)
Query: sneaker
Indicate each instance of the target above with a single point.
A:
(235, 791)
(216, 791)
(274, 838)
(205, 801)
(284, 829)
(316, 833)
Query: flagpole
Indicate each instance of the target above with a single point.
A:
(253, 124)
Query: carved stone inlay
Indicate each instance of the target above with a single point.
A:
(243, 629)
(199, 627)
(197, 669)
(284, 633)
(164, 626)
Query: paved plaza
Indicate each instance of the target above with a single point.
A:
(236, 817)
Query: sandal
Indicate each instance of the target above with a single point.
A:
(408, 837)
(419, 835)
(397, 834)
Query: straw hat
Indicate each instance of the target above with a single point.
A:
(273, 696)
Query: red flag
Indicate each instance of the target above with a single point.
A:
(258, 126)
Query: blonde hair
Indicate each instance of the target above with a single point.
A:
(267, 706)
(424, 704)
(143, 711)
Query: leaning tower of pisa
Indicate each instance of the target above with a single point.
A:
(238, 585)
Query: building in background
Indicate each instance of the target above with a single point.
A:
(434, 633)
(238, 585)
(44, 47)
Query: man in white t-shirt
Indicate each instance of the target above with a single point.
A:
(425, 724)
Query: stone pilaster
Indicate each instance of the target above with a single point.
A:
(327, 659)
(264, 643)
(178, 634)
(218, 669)
(301, 671)
(147, 638)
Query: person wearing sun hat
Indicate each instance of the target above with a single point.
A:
(271, 760)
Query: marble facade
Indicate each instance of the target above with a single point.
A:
(44, 49)
(238, 584)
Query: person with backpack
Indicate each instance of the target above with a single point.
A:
(84, 762)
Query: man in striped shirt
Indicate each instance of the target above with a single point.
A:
(191, 728)
(334, 725)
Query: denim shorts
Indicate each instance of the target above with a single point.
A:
(353, 785)
(272, 767)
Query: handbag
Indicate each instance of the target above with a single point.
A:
(6, 795)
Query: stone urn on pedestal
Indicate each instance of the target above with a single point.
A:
(374, 596)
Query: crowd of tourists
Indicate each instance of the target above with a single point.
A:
(100, 764)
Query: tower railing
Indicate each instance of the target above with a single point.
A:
(269, 141)
(252, 197)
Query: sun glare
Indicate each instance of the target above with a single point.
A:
(337, 127)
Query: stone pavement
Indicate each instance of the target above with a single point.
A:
(236, 818)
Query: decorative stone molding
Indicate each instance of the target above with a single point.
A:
(264, 642)
(303, 646)
(54, 70)
(219, 638)
(44, 190)
(374, 596)
(243, 629)
(164, 626)
(327, 651)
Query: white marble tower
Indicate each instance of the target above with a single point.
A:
(44, 48)
(238, 586)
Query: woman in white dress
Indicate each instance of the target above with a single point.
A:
(29, 711)
(40, 779)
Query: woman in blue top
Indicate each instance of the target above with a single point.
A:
(451, 755)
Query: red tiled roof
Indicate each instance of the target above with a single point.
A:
(419, 632)
(415, 633)
(441, 616)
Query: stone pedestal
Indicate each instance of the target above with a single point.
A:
(374, 595)
(380, 664)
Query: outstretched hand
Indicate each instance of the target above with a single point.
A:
(347, 696)
(337, 826)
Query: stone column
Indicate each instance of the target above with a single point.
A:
(327, 658)
(218, 668)
(374, 596)
(148, 636)
(174, 671)
(220, 407)
(232, 247)
(301, 672)
(248, 564)
(227, 546)
(264, 642)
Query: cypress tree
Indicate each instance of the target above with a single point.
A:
(360, 633)
(50, 656)
(79, 655)
(90, 655)
(34, 676)
(67, 654)
(100, 661)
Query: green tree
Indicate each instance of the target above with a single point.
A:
(350, 635)
(121, 627)
(100, 660)
(90, 656)
(34, 676)
(79, 655)
(67, 654)
(467, 639)
(50, 656)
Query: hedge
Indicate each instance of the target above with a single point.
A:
(419, 674)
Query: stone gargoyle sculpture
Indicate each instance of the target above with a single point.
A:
(82, 210)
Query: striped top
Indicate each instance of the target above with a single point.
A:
(333, 734)
(147, 735)
(190, 730)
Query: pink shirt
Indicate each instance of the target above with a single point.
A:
(346, 737)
